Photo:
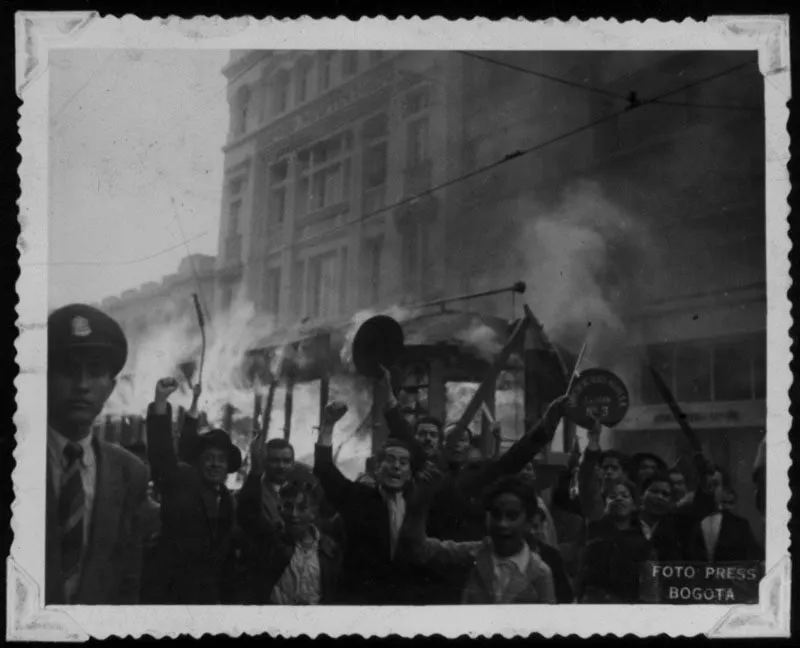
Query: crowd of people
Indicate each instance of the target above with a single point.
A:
(433, 521)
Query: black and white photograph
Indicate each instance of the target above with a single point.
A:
(315, 322)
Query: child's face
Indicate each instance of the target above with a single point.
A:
(508, 524)
(619, 502)
(298, 513)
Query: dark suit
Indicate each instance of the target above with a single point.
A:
(369, 574)
(194, 557)
(272, 551)
(552, 558)
(111, 568)
(736, 541)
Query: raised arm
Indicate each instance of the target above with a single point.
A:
(187, 441)
(588, 491)
(338, 489)
(395, 421)
(518, 455)
(160, 445)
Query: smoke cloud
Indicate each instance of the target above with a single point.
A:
(587, 263)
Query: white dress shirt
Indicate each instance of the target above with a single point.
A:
(711, 526)
(504, 567)
(301, 582)
(396, 504)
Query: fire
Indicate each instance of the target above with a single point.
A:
(230, 335)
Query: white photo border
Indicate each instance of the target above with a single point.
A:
(39, 32)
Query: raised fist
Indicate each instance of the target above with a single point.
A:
(333, 412)
(196, 391)
(164, 389)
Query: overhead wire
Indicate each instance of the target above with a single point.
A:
(596, 90)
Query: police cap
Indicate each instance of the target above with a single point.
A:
(79, 327)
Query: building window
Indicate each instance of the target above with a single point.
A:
(326, 71)
(304, 69)
(376, 150)
(227, 297)
(278, 175)
(324, 173)
(343, 282)
(274, 291)
(693, 368)
(350, 63)
(416, 258)
(280, 89)
(233, 217)
(416, 102)
(323, 279)
(418, 142)
(235, 187)
(371, 284)
(241, 112)
(732, 369)
(298, 288)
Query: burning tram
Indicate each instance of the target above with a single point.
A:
(452, 363)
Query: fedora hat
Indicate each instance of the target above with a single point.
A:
(221, 440)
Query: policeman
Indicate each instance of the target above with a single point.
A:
(95, 490)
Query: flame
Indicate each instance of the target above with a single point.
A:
(230, 335)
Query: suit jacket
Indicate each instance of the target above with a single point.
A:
(552, 558)
(111, 570)
(736, 541)
(272, 551)
(369, 574)
(195, 561)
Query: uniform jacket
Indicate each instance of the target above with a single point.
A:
(272, 551)
(194, 555)
(111, 570)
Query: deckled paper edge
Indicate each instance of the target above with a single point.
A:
(769, 35)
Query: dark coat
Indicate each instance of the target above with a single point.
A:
(552, 558)
(272, 550)
(736, 541)
(195, 551)
(111, 572)
(369, 574)
(612, 561)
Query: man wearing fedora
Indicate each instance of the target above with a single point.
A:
(95, 490)
(195, 552)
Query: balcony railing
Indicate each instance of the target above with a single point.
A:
(418, 178)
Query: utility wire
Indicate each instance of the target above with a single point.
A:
(601, 91)
(119, 263)
(633, 103)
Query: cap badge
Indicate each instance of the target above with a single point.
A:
(80, 327)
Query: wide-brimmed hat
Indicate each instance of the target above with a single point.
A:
(221, 440)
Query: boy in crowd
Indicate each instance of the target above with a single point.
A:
(296, 563)
(504, 569)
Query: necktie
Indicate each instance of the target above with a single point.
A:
(70, 512)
